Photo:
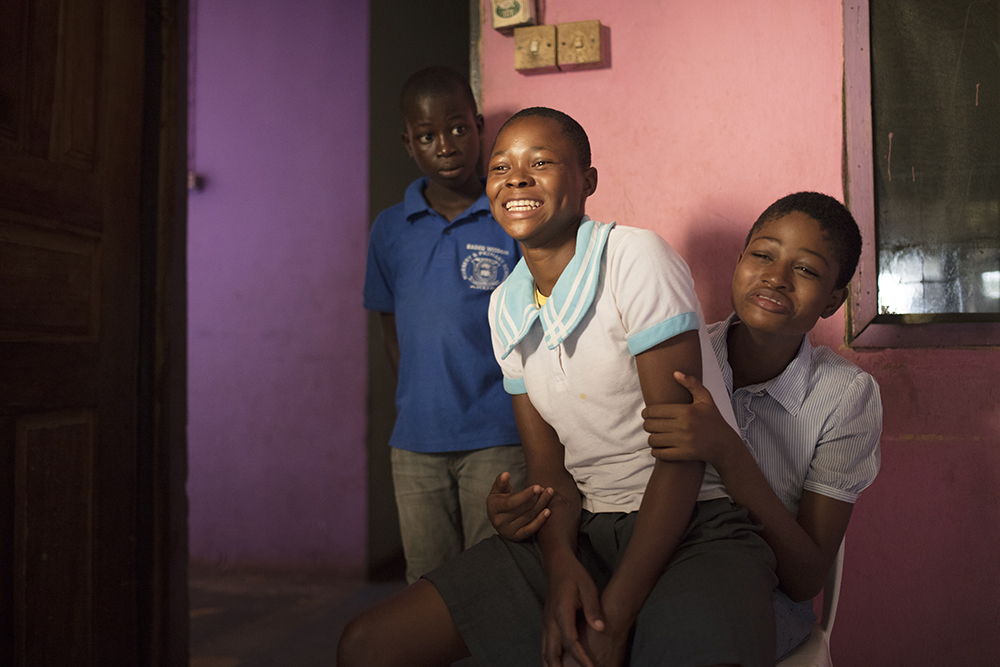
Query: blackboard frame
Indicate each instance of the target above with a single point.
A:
(865, 327)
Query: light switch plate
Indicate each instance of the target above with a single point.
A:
(535, 49)
(580, 45)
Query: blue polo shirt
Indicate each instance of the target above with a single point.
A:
(436, 277)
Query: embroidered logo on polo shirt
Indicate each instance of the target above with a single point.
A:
(486, 267)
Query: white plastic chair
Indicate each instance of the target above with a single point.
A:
(816, 651)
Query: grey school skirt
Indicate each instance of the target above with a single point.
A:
(712, 605)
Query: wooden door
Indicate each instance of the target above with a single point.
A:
(71, 95)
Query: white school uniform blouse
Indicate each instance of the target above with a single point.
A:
(625, 291)
(815, 427)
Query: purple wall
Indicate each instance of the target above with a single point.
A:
(277, 342)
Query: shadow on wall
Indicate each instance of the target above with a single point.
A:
(711, 248)
(493, 122)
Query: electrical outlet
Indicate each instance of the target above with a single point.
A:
(579, 45)
(535, 49)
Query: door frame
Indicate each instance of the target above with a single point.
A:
(162, 529)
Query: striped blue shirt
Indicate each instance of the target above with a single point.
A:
(815, 427)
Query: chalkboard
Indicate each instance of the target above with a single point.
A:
(936, 132)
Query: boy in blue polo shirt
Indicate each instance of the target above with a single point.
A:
(433, 261)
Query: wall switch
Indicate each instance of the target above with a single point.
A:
(535, 49)
(580, 45)
(510, 14)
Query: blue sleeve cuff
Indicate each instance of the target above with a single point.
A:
(514, 386)
(656, 334)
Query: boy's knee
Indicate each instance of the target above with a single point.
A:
(357, 645)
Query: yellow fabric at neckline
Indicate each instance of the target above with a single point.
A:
(540, 298)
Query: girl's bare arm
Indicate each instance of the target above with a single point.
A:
(670, 495)
(804, 546)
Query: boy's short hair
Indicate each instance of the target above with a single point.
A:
(572, 129)
(435, 81)
(834, 219)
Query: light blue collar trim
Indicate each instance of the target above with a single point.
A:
(515, 311)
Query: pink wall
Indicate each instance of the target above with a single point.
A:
(277, 241)
(709, 112)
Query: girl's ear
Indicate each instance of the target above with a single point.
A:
(837, 299)
(589, 181)
(480, 123)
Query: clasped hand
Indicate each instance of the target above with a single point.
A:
(571, 638)
(693, 431)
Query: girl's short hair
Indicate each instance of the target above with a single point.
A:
(834, 219)
(572, 129)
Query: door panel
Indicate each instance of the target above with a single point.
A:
(53, 539)
(71, 82)
(51, 284)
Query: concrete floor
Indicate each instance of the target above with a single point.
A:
(244, 619)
